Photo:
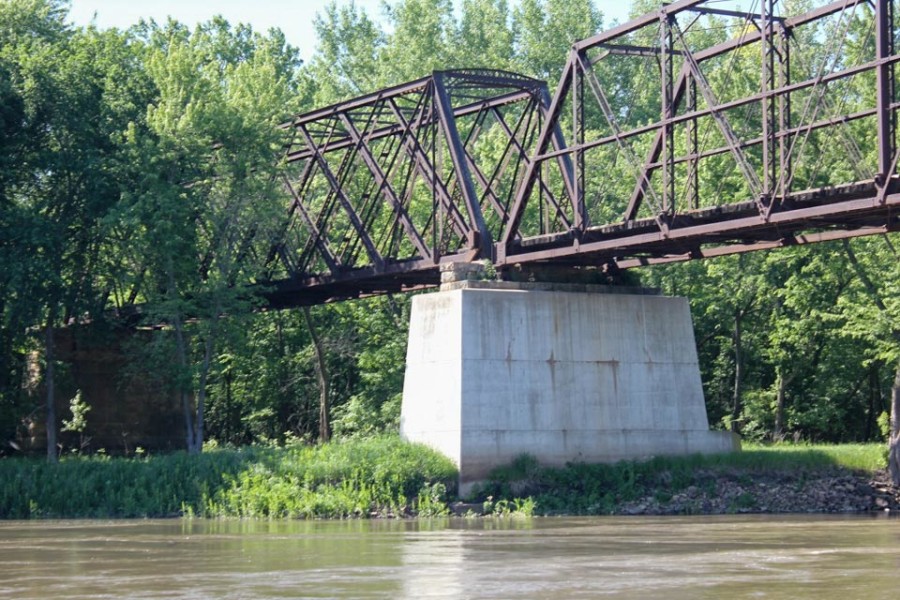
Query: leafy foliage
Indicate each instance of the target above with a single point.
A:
(350, 479)
(137, 167)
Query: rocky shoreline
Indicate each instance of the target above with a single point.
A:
(718, 492)
(731, 493)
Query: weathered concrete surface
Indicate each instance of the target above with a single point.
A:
(564, 376)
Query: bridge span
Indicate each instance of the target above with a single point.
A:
(690, 132)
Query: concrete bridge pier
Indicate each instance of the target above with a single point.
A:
(564, 372)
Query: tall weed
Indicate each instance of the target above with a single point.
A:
(343, 479)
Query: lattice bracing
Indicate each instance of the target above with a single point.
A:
(693, 131)
(384, 188)
(779, 132)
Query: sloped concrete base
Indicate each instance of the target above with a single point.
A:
(564, 376)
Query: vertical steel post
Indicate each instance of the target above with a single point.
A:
(578, 140)
(668, 112)
(784, 111)
(437, 221)
(884, 87)
(892, 74)
(543, 225)
(769, 139)
(541, 123)
(581, 216)
(693, 145)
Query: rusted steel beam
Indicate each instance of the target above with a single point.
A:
(385, 188)
(352, 215)
(395, 129)
(390, 143)
(579, 213)
(631, 50)
(784, 107)
(737, 14)
(800, 239)
(463, 175)
(332, 110)
(667, 92)
(528, 181)
(884, 84)
(639, 241)
(767, 104)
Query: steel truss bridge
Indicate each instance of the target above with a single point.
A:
(690, 132)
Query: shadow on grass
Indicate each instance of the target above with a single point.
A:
(580, 488)
(103, 487)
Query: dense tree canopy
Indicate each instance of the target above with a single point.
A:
(135, 168)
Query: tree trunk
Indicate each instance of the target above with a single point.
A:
(187, 409)
(226, 422)
(779, 407)
(894, 445)
(6, 354)
(322, 377)
(199, 421)
(875, 403)
(50, 383)
(181, 358)
(738, 374)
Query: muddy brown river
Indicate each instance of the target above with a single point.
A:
(818, 557)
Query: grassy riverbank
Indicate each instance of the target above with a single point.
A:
(384, 476)
(783, 478)
(361, 478)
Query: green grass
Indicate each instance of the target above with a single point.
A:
(338, 480)
(376, 476)
(600, 489)
(856, 457)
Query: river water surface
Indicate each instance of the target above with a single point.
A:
(637, 557)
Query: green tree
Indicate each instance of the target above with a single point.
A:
(422, 40)
(485, 36)
(70, 93)
(345, 62)
(209, 150)
(872, 312)
(545, 31)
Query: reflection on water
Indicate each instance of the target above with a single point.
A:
(710, 557)
(434, 564)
